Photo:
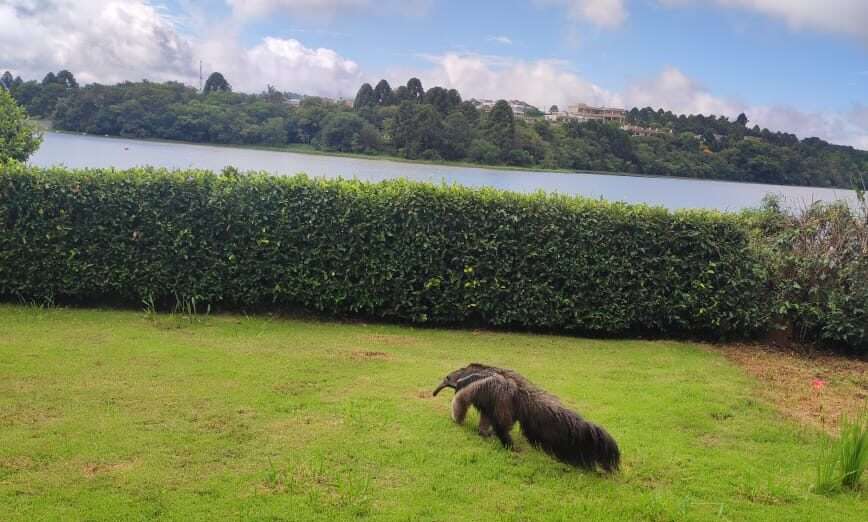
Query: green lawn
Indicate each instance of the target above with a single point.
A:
(109, 415)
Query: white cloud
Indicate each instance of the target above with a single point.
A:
(675, 91)
(848, 17)
(118, 40)
(504, 40)
(285, 63)
(255, 8)
(604, 13)
(263, 7)
(846, 128)
(540, 82)
(98, 40)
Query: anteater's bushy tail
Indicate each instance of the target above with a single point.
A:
(564, 435)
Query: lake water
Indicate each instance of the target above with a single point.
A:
(93, 151)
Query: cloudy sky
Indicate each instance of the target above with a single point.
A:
(794, 65)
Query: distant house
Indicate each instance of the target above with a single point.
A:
(555, 117)
(483, 105)
(524, 110)
(583, 112)
(520, 109)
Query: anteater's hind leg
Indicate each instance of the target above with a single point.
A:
(503, 435)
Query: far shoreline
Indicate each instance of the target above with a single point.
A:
(309, 150)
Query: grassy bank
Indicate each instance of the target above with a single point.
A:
(113, 415)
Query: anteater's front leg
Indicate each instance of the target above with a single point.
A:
(502, 429)
(503, 419)
(466, 397)
(460, 403)
(485, 429)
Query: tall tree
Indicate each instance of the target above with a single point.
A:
(454, 98)
(742, 120)
(470, 112)
(457, 135)
(66, 79)
(416, 129)
(383, 93)
(402, 124)
(500, 128)
(427, 133)
(402, 94)
(343, 131)
(438, 98)
(19, 137)
(216, 82)
(7, 80)
(272, 95)
(415, 92)
(365, 97)
(49, 79)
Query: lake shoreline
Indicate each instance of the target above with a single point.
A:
(77, 150)
(309, 150)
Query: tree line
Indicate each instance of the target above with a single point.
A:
(437, 124)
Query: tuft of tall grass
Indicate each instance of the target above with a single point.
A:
(854, 450)
(827, 468)
(843, 460)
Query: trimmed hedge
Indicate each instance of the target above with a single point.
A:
(395, 250)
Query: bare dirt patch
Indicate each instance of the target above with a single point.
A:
(425, 394)
(366, 355)
(391, 340)
(296, 388)
(24, 414)
(16, 463)
(814, 389)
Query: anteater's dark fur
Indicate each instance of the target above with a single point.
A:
(503, 397)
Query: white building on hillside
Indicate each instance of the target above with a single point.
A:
(521, 110)
(583, 112)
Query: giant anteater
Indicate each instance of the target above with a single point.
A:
(503, 397)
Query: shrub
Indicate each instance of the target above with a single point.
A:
(431, 155)
(342, 131)
(819, 263)
(395, 250)
(483, 151)
(19, 137)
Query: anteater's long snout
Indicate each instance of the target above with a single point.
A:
(444, 384)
